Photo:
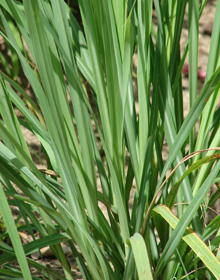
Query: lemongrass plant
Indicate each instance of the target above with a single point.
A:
(139, 240)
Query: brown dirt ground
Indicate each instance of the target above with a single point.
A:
(205, 27)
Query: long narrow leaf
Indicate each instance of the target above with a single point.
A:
(185, 219)
(15, 239)
(198, 246)
(141, 257)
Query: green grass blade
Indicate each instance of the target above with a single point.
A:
(185, 220)
(80, 110)
(15, 239)
(210, 86)
(56, 216)
(193, 59)
(141, 257)
(143, 75)
(10, 118)
(120, 9)
(36, 245)
(91, 35)
(198, 246)
(213, 61)
(54, 117)
(173, 192)
(128, 106)
(212, 227)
